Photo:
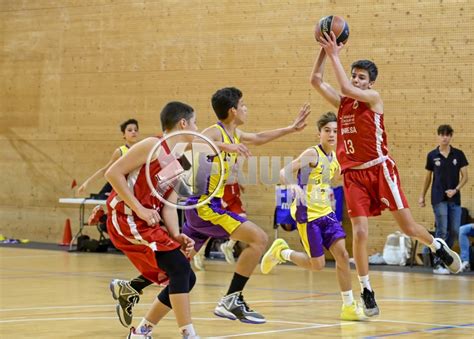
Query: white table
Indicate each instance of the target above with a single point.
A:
(82, 202)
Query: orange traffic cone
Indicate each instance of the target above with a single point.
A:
(67, 236)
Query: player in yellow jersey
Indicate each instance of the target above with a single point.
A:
(315, 219)
(211, 219)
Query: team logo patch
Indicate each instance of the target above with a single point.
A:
(385, 201)
(455, 162)
(437, 163)
(355, 105)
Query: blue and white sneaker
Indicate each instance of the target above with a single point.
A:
(233, 307)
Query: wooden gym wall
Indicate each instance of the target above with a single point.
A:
(72, 70)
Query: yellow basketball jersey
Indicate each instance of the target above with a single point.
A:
(316, 182)
(123, 149)
(229, 161)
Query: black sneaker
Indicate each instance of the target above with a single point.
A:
(449, 258)
(234, 307)
(127, 297)
(369, 304)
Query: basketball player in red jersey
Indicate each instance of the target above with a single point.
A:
(371, 180)
(135, 216)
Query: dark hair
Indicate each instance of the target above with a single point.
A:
(224, 99)
(173, 112)
(123, 125)
(367, 65)
(325, 119)
(445, 130)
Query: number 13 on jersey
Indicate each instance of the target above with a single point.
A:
(349, 146)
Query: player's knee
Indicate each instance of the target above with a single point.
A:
(259, 240)
(192, 280)
(264, 239)
(342, 257)
(411, 231)
(262, 242)
(164, 297)
(180, 279)
(317, 265)
(178, 269)
(360, 234)
(414, 230)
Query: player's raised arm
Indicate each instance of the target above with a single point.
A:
(323, 88)
(354, 90)
(99, 173)
(266, 136)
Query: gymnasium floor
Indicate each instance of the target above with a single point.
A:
(56, 294)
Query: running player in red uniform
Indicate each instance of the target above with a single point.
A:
(135, 217)
(371, 180)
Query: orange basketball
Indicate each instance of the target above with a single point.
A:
(335, 24)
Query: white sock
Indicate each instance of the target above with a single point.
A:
(435, 245)
(285, 254)
(145, 322)
(347, 298)
(187, 330)
(364, 282)
(231, 243)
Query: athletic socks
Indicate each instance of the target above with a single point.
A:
(145, 326)
(237, 284)
(347, 298)
(187, 331)
(286, 254)
(435, 245)
(139, 283)
(364, 282)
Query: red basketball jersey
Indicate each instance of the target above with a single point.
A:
(137, 182)
(360, 134)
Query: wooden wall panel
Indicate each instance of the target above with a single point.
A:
(72, 70)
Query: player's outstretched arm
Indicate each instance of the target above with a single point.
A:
(215, 135)
(100, 172)
(323, 88)
(263, 137)
(116, 176)
(332, 49)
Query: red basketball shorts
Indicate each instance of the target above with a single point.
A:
(139, 242)
(369, 191)
(231, 199)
